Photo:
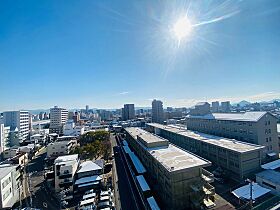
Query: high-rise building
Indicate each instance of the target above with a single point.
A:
(157, 111)
(215, 106)
(225, 106)
(58, 117)
(87, 109)
(128, 112)
(19, 120)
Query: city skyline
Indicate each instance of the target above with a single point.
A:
(53, 53)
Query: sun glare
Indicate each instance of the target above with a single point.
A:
(182, 28)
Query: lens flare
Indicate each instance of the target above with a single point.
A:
(182, 28)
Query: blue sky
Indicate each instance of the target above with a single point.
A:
(107, 53)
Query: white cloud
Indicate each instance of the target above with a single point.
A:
(123, 93)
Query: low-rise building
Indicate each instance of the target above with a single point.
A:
(88, 176)
(64, 170)
(239, 159)
(10, 185)
(252, 127)
(176, 175)
(59, 148)
(269, 179)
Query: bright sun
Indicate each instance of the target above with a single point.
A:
(182, 28)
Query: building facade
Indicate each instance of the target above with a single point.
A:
(59, 148)
(215, 106)
(239, 159)
(65, 168)
(252, 127)
(10, 185)
(225, 106)
(4, 137)
(157, 111)
(19, 120)
(128, 112)
(176, 175)
(58, 117)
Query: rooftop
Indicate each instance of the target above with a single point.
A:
(66, 158)
(245, 116)
(88, 166)
(170, 156)
(270, 175)
(244, 191)
(5, 169)
(272, 165)
(230, 144)
(146, 138)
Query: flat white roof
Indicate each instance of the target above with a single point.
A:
(88, 166)
(66, 158)
(272, 165)
(142, 182)
(153, 204)
(88, 179)
(230, 144)
(244, 192)
(170, 156)
(245, 116)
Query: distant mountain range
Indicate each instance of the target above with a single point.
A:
(245, 103)
(241, 103)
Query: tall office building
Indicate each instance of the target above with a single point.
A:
(157, 111)
(19, 120)
(215, 106)
(87, 109)
(225, 106)
(128, 112)
(58, 117)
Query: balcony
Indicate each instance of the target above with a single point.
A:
(66, 183)
(207, 176)
(208, 189)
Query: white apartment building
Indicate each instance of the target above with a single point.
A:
(157, 111)
(19, 120)
(58, 148)
(65, 168)
(10, 187)
(58, 117)
(4, 137)
(70, 129)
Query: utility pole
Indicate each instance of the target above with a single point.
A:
(251, 194)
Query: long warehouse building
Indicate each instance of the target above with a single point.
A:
(177, 176)
(239, 159)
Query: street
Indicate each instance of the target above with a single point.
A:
(41, 197)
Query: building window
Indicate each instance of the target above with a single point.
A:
(266, 139)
